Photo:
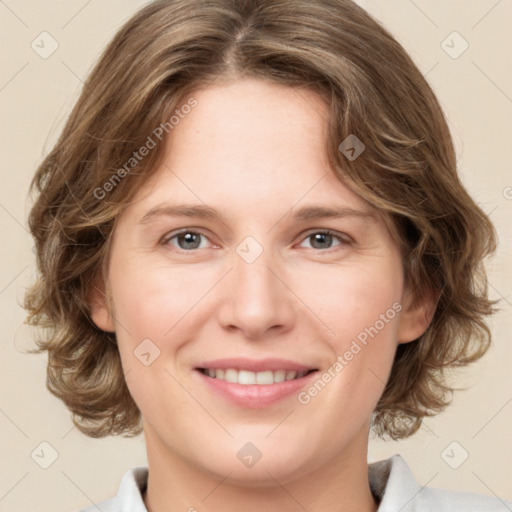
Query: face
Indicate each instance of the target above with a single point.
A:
(257, 301)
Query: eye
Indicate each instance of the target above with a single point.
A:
(186, 240)
(325, 239)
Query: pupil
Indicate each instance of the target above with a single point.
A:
(322, 238)
(190, 241)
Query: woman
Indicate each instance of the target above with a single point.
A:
(254, 247)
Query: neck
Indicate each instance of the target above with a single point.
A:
(340, 484)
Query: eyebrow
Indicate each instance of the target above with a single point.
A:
(324, 212)
(207, 212)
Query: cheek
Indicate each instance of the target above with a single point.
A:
(352, 299)
(154, 315)
(152, 300)
(362, 308)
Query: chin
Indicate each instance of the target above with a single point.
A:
(258, 463)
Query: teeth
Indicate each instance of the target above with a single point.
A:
(230, 376)
(246, 377)
(279, 376)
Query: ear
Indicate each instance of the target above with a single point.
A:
(99, 307)
(416, 315)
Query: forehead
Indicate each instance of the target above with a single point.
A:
(250, 144)
(253, 124)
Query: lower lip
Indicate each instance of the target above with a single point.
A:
(255, 396)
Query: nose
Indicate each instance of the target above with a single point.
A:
(257, 300)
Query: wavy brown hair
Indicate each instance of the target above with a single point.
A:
(373, 89)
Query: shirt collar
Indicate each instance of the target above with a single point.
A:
(393, 484)
(132, 487)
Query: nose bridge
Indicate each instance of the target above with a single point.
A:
(258, 299)
(256, 278)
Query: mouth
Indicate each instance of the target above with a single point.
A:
(247, 377)
(254, 384)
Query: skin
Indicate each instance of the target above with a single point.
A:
(254, 152)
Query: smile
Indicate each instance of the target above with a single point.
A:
(246, 377)
(254, 384)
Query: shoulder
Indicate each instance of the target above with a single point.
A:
(129, 496)
(393, 483)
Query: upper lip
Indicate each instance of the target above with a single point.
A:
(254, 365)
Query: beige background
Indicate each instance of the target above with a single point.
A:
(475, 90)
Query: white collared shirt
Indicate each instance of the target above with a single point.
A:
(391, 482)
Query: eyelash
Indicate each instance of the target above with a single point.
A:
(342, 238)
